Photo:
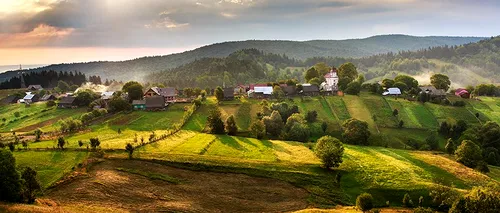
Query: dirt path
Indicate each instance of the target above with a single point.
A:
(197, 192)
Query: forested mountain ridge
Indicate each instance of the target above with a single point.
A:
(137, 69)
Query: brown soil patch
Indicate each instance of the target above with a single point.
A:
(39, 125)
(106, 187)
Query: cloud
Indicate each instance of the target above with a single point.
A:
(38, 36)
(166, 22)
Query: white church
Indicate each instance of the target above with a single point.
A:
(332, 79)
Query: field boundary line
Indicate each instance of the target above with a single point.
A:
(205, 149)
(333, 112)
(473, 114)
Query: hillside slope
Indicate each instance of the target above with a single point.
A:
(136, 69)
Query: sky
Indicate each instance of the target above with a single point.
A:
(62, 31)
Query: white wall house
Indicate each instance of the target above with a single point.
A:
(331, 82)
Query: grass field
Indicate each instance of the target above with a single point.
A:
(488, 107)
(414, 114)
(51, 166)
(338, 106)
(379, 108)
(451, 114)
(357, 109)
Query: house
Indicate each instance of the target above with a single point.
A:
(228, 94)
(433, 92)
(169, 93)
(310, 89)
(31, 98)
(463, 93)
(139, 104)
(331, 81)
(10, 99)
(107, 95)
(35, 87)
(155, 103)
(392, 91)
(260, 92)
(289, 90)
(48, 97)
(66, 102)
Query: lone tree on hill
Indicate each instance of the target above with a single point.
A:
(364, 202)
(10, 178)
(468, 154)
(231, 127)
(330, 151)
(94, 143)
(61, 142)
(441, 81)
(214, 122)
(31, 184)
(130, 149)
(355, 132)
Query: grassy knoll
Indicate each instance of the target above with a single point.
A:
(414, 114)
(325, 113)
(33, 117)
(51, 166)
(357, 109)
(380, 110)
(451, 114)
(338, 106)
(488, 107)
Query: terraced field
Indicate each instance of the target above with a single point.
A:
(357, 109)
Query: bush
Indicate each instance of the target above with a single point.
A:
(274, 123)
(311, 116)
(353, 88)
(459, 103)
(355, 132)
(330, 151)
(31, 184)
(215, 123)
(10, 178)
(422, 210)
(130, 149)
(483, 167)
(50, 103)
(401, 124)
(364, 202)
(478, 200)
(61, 142)
(468, 154)
(407, 202)
(298, 132)
(258, 129)
(94, 143)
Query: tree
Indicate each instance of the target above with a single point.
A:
(129, 84)
(231, 127)
(130, 149)
(80, 143)
(298, 132)
(214, 122)
(10, 178)
(353, 88)
(324, 126)
(355, 132)
(134, 91)
(409, 81)
(38, 133)
(450, 146)
(387, 83)
(31, 184)
(258, 129)
(330, 151)
(407, 202)
(401, 124)
(440, 81)
(278, 92)
(402, 86)
(316, 81)
(347, 71)
(311, 116)
(468, 154)
(443, 196)
(322, 68)
(395, 112)
(12, 146)
(273, 123)
(478, 200)
(63, 86)
(85, 97)
(364, 202)
(61, 142)
(311, 73)
(94, 143)
(219, 94)
(118, 104)
(188, 92)
(432, 141)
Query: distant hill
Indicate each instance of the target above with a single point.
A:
(137, 69)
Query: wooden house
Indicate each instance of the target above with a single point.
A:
(66, 102)
(169, 93)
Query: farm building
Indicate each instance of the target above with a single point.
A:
(392, 91)
(463, 93)
(433, 92)
(66, 102)
(48, 97)
(139, 104)
(228, 94)
(260, 92)
(240, 89)
(10, 99)
(34, 87)
(310, 90)
(168, 93)
(331, 81)
(155, 103)
(107, 95)
(31, 98)
(289, 90)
